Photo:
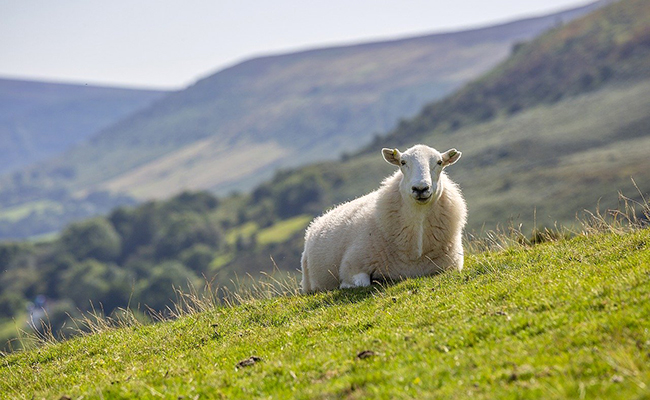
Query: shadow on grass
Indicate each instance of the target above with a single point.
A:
(344, 296)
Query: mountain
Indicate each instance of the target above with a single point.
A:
(39, 120)
(561, 123)
(610, 46)
(232, 129)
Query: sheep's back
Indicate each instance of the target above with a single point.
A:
(328, 236)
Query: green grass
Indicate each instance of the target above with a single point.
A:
(9, 327)
(220, 260)
(246, 230)
(567, 319)
(13, 214)
(283, 230)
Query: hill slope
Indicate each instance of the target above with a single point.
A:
(557, 154)
(559, 320)
(233, 129)
(545, 163)
(286, 110)
(39, 120)
(533, 159)
(611, 44)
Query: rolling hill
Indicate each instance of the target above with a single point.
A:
(233, 129)
(40, 120)
(537, 117)
(281, 111)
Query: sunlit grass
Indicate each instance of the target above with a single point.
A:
(565, 318)
(17, 213)
(283, 230)
(245, 231)
(540, 316)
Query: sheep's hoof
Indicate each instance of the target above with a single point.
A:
(358, 280)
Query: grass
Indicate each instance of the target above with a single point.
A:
(195, 167)
(246, 230)
(8, 327)
(220, 260)
(564, 319)
(283, 230)
(16, 213)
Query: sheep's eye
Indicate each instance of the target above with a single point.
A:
(439, 162)
(403, 162)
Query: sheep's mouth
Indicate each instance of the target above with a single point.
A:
(423, 199)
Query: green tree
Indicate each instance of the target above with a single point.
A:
(10, 303)
(184, 231)
(95, 238)
(157, 292)
(197, 258)
(94, 281)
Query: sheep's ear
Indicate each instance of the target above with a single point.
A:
(450, 157)
(392, 156)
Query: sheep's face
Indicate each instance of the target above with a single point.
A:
(421, 167)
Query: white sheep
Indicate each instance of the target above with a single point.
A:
(411, 226)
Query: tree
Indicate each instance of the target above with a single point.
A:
(93, 281)
(184, 231)
(157, 291)
(198, 257)
(95, 238)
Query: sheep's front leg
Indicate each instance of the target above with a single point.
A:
(352, 272)
(359, 280)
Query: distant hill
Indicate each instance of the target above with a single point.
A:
(612, 45)
(39, 120)
(233, 129)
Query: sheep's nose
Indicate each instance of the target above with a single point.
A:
(420, 189)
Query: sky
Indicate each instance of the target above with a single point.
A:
(171, 44)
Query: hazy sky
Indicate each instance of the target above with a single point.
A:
(169, 44)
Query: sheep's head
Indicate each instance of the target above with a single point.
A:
(421, 167)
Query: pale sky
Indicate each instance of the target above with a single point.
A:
(170, 44)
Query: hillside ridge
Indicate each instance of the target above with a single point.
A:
(562, 15)
(41, 119)
(307, 106)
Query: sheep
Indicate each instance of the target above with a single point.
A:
(411, 226)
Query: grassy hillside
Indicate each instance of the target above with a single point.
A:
(531, 158)
(611, 44)
(40, 120)
(550, 161)
(311, 105)
(563, 319)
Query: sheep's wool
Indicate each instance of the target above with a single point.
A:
(386, 234)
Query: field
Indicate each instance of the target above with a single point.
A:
(206, 164)
(562, 319)
(19, 212)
